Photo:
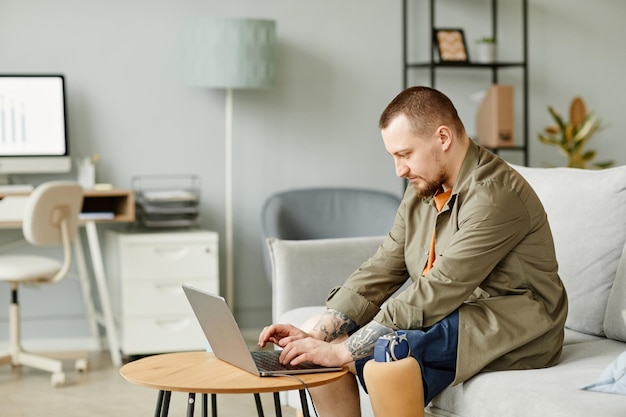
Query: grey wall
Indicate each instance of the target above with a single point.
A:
(338, 64)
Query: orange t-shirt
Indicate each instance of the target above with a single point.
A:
(440, 200)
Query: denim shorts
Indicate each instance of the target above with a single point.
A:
(435, 349)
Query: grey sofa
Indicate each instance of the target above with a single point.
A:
(587, 213)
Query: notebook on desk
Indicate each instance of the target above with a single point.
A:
(227, 342)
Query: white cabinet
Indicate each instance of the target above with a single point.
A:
(146, 271)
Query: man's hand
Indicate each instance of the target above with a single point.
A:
(280, 334)
(317, 351)
(298, 346)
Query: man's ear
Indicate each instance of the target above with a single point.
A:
(444, 135)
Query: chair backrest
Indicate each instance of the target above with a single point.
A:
(323, 213)
(51, 218)
(49, 206)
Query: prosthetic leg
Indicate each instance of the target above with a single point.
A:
(395, 388)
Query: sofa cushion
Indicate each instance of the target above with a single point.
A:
(615, 318)
(587, 211)
(572, 336)
(553, 392)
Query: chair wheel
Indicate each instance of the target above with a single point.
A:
(58, 379)
(81, 365)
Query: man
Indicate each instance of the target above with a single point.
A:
(474, 239)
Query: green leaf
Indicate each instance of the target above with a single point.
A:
(589, 155)
(548, 140)
(605, 164)
(557, 118)
(588, 127)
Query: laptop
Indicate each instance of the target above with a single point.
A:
(227, 342)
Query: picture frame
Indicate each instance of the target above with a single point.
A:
(451, 46)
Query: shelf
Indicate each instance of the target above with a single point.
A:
(465, 65)
(120, 202)
(433, 65)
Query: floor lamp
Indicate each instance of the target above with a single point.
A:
(229, 54)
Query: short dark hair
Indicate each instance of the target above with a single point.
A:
(426, 109)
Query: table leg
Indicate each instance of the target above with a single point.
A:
(305, 405)
(166, 404)
(205, 405)
(85, 284)
(191, 401)
(103, 292)
(159, 404)
(163, 404)
(279, 411)
(259, 406)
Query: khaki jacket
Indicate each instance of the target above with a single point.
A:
(495, 263)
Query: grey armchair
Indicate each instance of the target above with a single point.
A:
(325, 213)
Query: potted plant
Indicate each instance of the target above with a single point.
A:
(486, 49)
(571, 137)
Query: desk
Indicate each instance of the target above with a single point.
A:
(121, 204)
(203, 373)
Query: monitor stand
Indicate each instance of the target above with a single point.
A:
(6, 187)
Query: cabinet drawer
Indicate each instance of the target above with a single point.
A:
(164, 260)
(162, 334)
(143, 298)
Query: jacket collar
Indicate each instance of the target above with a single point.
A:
(472, 158)
(471, 161)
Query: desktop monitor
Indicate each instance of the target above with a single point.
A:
(33, 128)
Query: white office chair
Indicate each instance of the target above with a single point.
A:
(50, 218)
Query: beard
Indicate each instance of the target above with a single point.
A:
(430, 188)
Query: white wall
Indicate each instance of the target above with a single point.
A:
(338, 64)
(337, 67)
(577, 48)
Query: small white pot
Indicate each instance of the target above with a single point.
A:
(485, 52)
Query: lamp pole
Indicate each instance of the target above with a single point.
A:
(228, 197)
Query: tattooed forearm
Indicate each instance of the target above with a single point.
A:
(361, 343)
(334, 324)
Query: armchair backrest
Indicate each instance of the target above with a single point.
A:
(322, 213)
(325, 213)
(304, 271)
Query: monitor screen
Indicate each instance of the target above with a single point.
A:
(33, 133)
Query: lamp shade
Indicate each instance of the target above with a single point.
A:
(229, 53)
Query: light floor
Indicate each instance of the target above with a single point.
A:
(103, 392)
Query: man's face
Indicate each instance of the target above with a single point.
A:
(418, 159)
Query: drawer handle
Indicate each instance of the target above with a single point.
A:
(169, 289)
(172, 253)
(173, 325)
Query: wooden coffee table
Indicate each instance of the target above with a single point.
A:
(202, 373)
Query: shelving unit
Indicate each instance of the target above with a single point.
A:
(433, 66)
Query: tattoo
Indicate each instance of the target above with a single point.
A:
(361, 344)
(334, 324)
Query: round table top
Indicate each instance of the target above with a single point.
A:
(202, 372)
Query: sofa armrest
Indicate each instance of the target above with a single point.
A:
(304, 271)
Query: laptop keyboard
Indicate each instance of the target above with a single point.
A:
(269, 360)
